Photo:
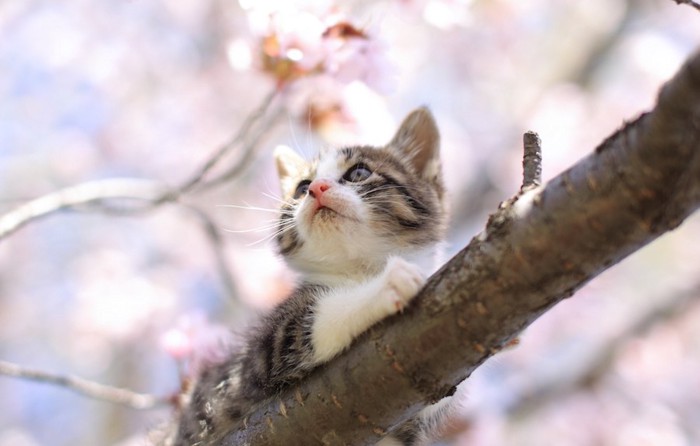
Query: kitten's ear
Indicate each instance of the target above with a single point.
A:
(290, 167)
(418, 139)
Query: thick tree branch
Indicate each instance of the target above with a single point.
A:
(535, 251)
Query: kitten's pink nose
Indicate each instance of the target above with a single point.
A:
(318, 187)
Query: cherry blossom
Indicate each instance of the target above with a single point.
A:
(317, 56)
(195, 342)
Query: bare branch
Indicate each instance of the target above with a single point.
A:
(99, 195)
(532, 161)
(248, 135)
(92, 389)
(689, 3)
(82, 194)
(253, 139)
(602, 362)
(217, 243)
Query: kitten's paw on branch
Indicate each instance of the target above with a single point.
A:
(403, 280)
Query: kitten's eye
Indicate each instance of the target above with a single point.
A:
(302, 189)
(358, 172)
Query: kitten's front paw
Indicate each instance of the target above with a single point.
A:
(403, 280)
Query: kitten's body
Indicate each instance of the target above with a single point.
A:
(347, 219)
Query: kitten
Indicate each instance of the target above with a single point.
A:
(348, 218)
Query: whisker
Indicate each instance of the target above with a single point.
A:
(255, 208)
(244, 231)
(278, 199)
(272, 235)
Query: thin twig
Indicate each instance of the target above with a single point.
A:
(82, 194)
(689, 3)
(211, 230)
(94, 195)
(242, 163)
(242, 135)
(88, 388)
(532, 160)
(248, 137)
(599, 366)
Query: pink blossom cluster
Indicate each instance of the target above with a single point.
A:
(196, 342)
(298, 44)
(316, 57)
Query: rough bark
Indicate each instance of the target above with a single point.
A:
(534, 252)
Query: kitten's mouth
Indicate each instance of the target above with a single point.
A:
(324, 210)
(328, 212)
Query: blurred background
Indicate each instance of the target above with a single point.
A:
(133, 294)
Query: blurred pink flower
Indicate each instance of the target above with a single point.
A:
(298, 44)
(356, 55)
(291, 46)
(196, 342)
(317, 56)
(177, 343)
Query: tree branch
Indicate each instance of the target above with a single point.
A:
(534, 252)
(600, 363)
(88, 193)
(248, 136)
(691, 3)
(532, 161)
(97, 195)
(92, 389)
(217, 243)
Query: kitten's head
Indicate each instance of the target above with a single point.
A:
(348, 210)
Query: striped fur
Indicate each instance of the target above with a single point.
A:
(364, 208)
